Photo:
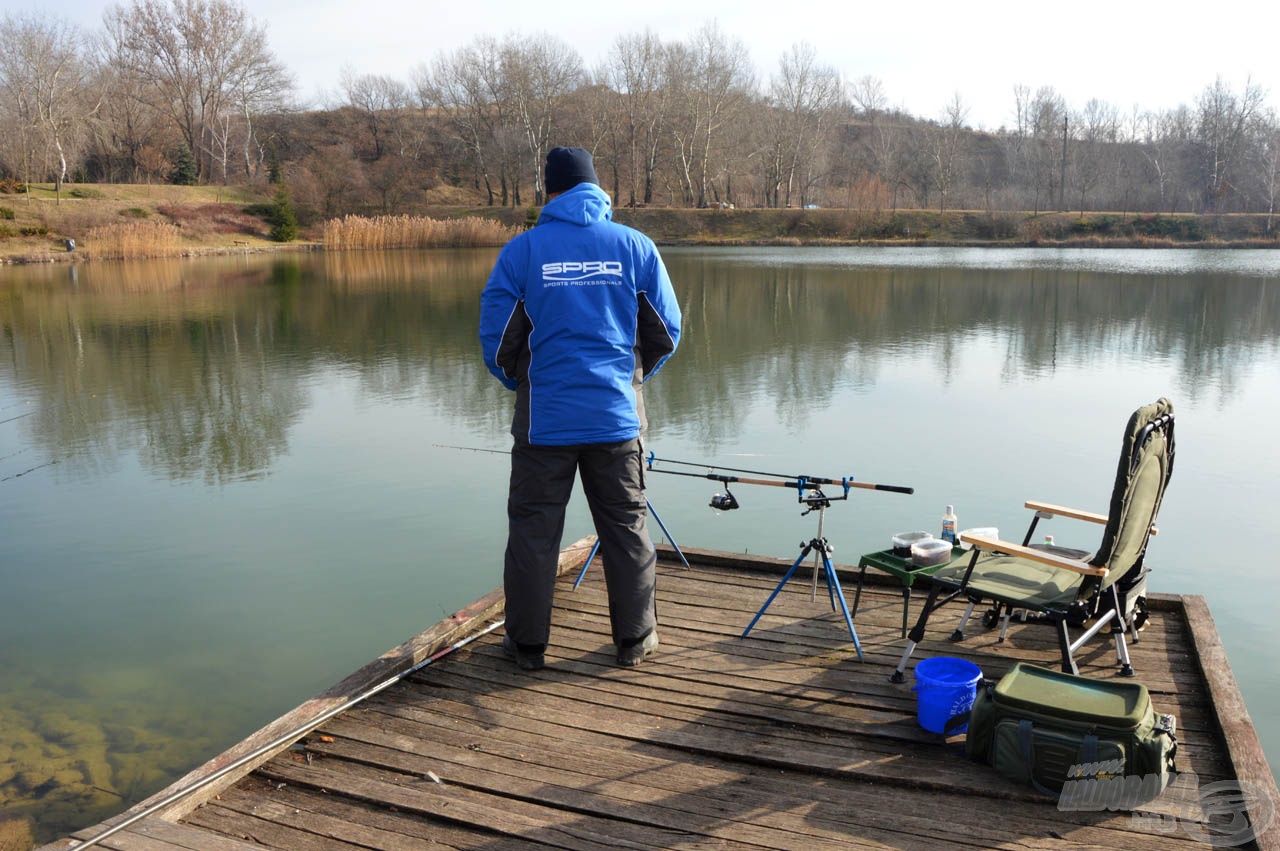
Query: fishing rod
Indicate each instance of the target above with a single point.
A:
(591, 557)
(283, 739)
(472, 449)
(801, 483)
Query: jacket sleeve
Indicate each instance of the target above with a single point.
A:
(502, 331)
(658, 322)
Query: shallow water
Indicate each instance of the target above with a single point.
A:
(225, 484)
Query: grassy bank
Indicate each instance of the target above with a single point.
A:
(114, 221)
(117, 221)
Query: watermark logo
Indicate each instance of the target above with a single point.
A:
(1224, 814)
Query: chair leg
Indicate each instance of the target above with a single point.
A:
(1064, 645)
(958, 635)
(1117, 631)
(898, 676)
(917, 633)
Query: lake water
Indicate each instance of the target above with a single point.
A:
(225, 483)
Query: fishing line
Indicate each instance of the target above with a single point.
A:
(284, 739)
(32, 470)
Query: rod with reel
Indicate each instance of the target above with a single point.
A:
(800, 483)
(810, 494)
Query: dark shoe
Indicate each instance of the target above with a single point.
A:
(631, 655)
(526, 661)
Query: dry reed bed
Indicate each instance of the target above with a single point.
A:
(134, 239)
(415, 232)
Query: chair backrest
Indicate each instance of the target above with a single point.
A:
(1146, 462)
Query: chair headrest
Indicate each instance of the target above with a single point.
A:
(1139, 485)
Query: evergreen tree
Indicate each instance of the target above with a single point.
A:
(185, 172)
(283, 219)
(275, 169)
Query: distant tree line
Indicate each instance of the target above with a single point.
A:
(189, 90)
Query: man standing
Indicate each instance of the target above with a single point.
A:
(578, 312)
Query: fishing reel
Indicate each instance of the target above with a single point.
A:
(724, 501)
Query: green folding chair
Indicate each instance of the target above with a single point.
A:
(1062, 587)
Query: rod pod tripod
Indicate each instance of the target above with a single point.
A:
(821, 549)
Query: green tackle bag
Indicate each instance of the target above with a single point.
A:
(1049, 729)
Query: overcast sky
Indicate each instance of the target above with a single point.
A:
(1126, 53)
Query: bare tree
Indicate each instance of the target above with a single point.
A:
(1225, 122)
(948, 146)
(44, 73)
(868, 95)
(804, 96)
(1164, 137)
(447, 88)
(635, 72)
(711, 79)
(1094, 147)
(380, 101)
(888, 142)
(218, 142)
(1038, 124)
(540, 72)
(468, 88)
(195, 55)
(1269, 165)
(126, 123)
(18, 89)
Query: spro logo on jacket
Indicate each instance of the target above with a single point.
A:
(573, 271)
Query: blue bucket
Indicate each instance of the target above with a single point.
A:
(945, 687)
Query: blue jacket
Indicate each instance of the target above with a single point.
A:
(578, 312)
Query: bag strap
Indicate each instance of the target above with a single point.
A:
(1026, 736)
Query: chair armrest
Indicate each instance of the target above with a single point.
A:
(1074, 513)
(1041, 556)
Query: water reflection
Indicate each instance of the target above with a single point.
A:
(202, 367)
(229, 437)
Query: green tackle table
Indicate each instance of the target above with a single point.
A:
(902, 569)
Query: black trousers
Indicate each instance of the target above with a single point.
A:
(541, 483)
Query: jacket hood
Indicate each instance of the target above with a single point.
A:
(584, 204)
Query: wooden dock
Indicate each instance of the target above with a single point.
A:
(782, 739)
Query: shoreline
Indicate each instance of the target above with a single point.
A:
(216, 221)
(53, 257)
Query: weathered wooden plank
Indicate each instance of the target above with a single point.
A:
(979, 647)
(764, 799)
(564, 787)
(806, 711)
(170, 836)
(792, 616)
(695, 785)
(790, 742)
(481, 808)
(1240, 737)
(268, 825)
(843, 681)
(354, 821)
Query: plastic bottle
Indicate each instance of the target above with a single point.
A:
(1048, 540)
(949, 525)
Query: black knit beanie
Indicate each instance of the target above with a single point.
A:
(567, 167)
